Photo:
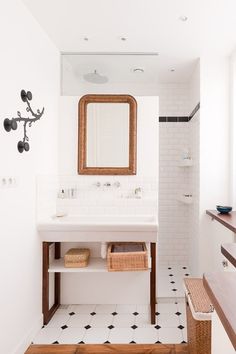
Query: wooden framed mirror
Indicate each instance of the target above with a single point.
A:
(107, 138)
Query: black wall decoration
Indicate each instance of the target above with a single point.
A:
(11, 124)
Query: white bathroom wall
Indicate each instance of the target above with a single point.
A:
(28, 61)
(214, 156)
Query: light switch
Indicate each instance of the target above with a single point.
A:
(8, 182)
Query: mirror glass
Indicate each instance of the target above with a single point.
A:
(107, 135)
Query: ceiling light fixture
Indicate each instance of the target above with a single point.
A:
(138, 70)
(86, 39)
(183, 18)
(95, 78)
(172, 70)
(123, 39)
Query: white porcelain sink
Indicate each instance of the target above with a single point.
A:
(98, 228)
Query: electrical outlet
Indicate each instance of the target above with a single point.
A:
(8, 182)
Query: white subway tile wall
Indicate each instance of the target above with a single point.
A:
(178, 222)
(93, 196)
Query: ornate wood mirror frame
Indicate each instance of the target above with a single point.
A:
(82, 135)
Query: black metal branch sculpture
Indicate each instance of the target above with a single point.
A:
(11, 124)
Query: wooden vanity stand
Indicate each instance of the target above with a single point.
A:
(98, 265)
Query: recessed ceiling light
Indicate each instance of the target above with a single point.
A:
(123, 39)
(183, 18)
(138, 70)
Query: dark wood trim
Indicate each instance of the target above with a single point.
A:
(49, 312)
(109, 349)
(221, 289)
(153, 283)
(82, 135)
(228, 220)
(229, 251)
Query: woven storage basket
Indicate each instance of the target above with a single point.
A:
(127, 256)
(198, 312)
(77, 258)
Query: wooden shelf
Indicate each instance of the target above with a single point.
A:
(98, 265)
(228, 220)
(221, 289)
(229, 251)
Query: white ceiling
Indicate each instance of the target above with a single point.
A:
(148, 25)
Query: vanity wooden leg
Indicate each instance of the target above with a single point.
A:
(49, 312)
(153, 283)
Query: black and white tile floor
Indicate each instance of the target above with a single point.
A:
(122, 323)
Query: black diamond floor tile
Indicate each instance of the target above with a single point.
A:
(87, 327)
(157, 313)
(135, 313)
(184, 267)
(174, 289)
(169, 268)
(56, 342)
(180, 327)
(158, 342)
(134, 326)
(178, 313)
(93, 313)
(110, 327)
(107, 342)
(64, 327)
(81, 342)
(170, 275)
(132, 342)
(157, 327)
(172, 282)
(187, 275)
(71, 313)
(114, 313)
(183, 341)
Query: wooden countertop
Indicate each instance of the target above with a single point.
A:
(228, 220)
(229, 251)
(221, 289)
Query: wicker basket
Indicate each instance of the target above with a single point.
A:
(198, 312)
(127, 256)
(77, 258)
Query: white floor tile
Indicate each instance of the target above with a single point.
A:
(71, 336)
(58, 320)
(125, 309)
(143, 308)
(144, 320)
(121, 335)
(168, 320)
(101, 320)
(184, 334)
(170, 335)
(47, 335)
(108, 309)
(83, 309)
(79, 320)
(124, 320)
(167, 307)
(146, 335)
(96, 335)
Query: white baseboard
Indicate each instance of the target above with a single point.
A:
(28, 338)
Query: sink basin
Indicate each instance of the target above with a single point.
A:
(99, 228)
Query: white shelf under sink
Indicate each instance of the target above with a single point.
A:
(186, 162)
(186, 198)
(95, 265)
